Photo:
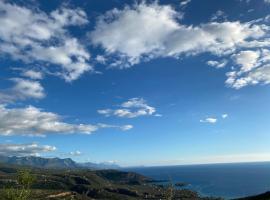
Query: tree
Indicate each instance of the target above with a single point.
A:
(22, 191)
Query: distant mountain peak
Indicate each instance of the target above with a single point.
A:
(66, 163)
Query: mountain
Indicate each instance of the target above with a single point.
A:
(264, 196)
(65, 163)
(40, 162)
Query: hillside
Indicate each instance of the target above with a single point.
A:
(89, 184)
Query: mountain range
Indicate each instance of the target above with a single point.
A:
(66, 163)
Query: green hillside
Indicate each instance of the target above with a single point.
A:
(78, 184)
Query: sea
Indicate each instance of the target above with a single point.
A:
(218, 180)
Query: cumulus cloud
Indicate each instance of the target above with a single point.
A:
(132, 108)
(22, 89)
(33, 35)
(32, 121)
(127, 39)
(35, 122)
(24, 149)
(167, 37)
(247, 59)
(254, 69)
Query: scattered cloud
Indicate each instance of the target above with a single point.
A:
(219, 15)
(75, 153)
(132, 108)
(123, 128)
(33, 35)
(210, 120)
(224, 116)
(217, 64)
(254, 69)
(31, 121)
(267, 1)
(184, 2)
(32, 74)
(101, 59)
(213, 120)
(25, 149)
(22, 89)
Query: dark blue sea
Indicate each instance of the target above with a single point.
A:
(220, 180)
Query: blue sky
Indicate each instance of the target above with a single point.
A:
(136, 83)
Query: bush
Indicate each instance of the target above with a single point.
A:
(21, 191)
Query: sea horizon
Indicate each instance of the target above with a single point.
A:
(226, 180)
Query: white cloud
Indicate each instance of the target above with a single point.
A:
(254, 70)
(167, 37)
(75, 153)
(184, 2)
(210, 120)
(22, 89)
(24, 149)
(218, 15)
(127, 40)
(32, 121)
(213, 120)
(224, 116)
(259, 75)
(28, 89)
(247, 59)
(117, 31)
(101, 59)
(32, 74)
(132, 108)
(217, 64)
(33, 35)
(126, 127)
(267, 1)
(123, 128)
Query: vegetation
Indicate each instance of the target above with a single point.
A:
(22, 188)
(81, 184)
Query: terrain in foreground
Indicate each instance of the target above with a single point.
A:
(60, 184)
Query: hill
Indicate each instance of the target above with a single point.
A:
(57, 184)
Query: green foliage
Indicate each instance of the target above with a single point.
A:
(22, 190)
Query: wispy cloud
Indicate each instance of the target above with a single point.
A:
(213, 120)
(75, 153)
(184, 2)
(210, 120)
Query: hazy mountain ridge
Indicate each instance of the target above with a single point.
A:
(66, 163)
